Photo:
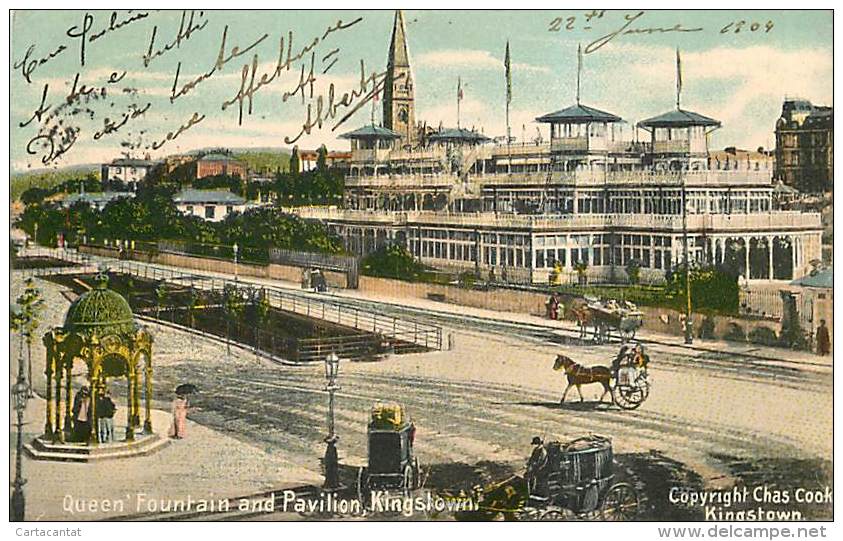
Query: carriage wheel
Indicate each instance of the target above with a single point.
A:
(417, 474)
(620, 503)
(628, 397)
(408, 484)
(628, 335)
(363, 485)
(555, 514)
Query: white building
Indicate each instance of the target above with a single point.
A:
(127, 170)
(211, 205)
(595, 194)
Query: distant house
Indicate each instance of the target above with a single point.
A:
(97, 201)
(214, 164)
(211, 205)
(128, 170)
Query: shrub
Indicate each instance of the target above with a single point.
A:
(392, 261)
(706, 331)
(735, 333)
(711, 289)
(763, 336)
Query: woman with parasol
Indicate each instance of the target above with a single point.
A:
(178, 429)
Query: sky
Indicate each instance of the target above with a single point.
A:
(737, 72)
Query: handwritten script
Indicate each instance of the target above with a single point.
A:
(117, 105)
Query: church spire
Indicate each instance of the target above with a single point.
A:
(398, 96)
(398, 55)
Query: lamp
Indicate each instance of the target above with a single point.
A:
(332, 367)
(331, 460)
(235, 248)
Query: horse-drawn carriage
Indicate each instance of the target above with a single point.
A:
(627, 380)
(605, 318)
(392, 462)
(574, 480)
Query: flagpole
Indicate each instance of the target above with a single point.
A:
(678, 78)
(508, 67)
(579, 70)
(459, 96)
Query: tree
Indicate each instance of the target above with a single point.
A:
(295, 165)
(26, 320)
(232, 303)
(322, 158)
(581, 267)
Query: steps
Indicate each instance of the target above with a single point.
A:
(44, 449)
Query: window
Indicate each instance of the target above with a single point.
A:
(229, 209)
(190, 209)
(210, 212)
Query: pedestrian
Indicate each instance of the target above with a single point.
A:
(553, 306)
(535, 464)
(105, 416)
(82, 415)
(823, 339)
(179, 427)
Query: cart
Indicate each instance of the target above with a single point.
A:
(609, 317)
(631, 382)
(573, 480)
(392, 464)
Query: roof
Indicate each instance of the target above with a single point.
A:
(217, 157)
(579, 113)
(100, 311)
(459, 134)
(222, 197)
(822, 279)
(678, 118)
(131, 162)
(371, 132)
(781, 188)
(96, 197)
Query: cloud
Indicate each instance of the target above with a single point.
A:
(471, 59)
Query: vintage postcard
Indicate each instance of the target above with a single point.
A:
(421, 265)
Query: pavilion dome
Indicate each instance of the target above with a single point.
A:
(100, 311)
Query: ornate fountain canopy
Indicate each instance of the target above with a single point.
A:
(100, 311)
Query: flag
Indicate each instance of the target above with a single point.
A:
(678, 77)
(508, 67)
(459, 89)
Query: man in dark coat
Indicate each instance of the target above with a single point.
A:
(82, 415)
(823, 339)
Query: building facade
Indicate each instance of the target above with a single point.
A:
(126, 170)
(210, 205)
(215, 164)
(805, 146)
(593, 198)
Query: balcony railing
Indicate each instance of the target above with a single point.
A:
(772, 221)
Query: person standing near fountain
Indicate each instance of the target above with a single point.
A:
(82, 416)
(179, 426)
(105, 416)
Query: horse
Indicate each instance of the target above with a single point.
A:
(580, 375)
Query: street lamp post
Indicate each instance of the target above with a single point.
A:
(331, 462)
(236, 248)
(20, 394)
(689, 331)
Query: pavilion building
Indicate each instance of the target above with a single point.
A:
(594, 194)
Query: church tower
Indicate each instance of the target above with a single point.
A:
(399, 110)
